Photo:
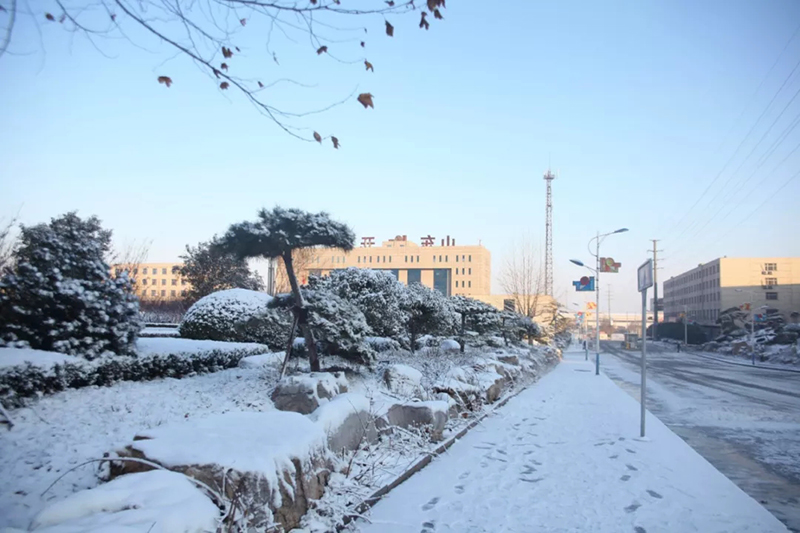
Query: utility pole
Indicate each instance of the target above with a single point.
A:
(655, 288)
(548, 260)
(610, 321)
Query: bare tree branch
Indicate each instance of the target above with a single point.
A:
(522, 277)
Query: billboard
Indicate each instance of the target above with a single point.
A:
(591, 305)
(586, 283)
(607, 264)
(645, 275)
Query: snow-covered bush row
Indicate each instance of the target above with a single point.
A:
(237, 315)
(59, 294)
(28, 375)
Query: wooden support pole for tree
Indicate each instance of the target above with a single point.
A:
(308, 335)
(289, 345)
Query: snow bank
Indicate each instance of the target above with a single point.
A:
(20, 356)
(333, 414)
(265, 359)
(164, 345)
(450, 345)
(158, 502)
(403, 380)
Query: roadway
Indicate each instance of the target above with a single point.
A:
(743, 420)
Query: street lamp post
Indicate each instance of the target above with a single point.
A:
(752, 324)
(598, 239)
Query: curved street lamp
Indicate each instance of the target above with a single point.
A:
(598, 240)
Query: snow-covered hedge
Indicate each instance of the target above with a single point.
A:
(26, 373)
(237, 315)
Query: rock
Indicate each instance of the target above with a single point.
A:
(431, 415)
(271, 463)
(738, 346)
(158, 501)
(404, 380)
(346, 421)
(492, 384)
(450, 345)
(262, 360)
(303, 394)
(510, 359)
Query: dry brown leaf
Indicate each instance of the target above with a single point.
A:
(362, 44)
(335, 142)
(437, 14)
(224, 85)
(423, 21)
(49, 17)
(368, 65)
(224, 66)
(317, 137)
(166, 80)
(366, 100)
(389, 29)
(62, 18)
(237, 49)
(260, 85)
(431, 5)
(314, 2)
(243, 21)
(322, 50)
(226, 52)
(113, 17)
(390, 3)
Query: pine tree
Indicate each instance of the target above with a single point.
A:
(429, 311)
(277, 233)
(60, 295)
(476, 316)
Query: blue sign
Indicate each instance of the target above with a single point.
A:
(586, 283)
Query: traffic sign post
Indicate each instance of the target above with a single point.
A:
(645, 279)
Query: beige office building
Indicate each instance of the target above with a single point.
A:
(711, 288)
(156, 281)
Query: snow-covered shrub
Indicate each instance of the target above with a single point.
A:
(383, 344)
(60, 295)
(339, 327)
(515, 327)
(376, 293)
(209, 269)
(237, 315)
(28, 379)
(476, 315)
(430, 312)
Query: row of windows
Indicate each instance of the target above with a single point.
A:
(163, 282)
(469, 284)
(772, 296)
(154, 271)
(163, 293)
(771, 267)
(697, 287)
(462, 271)
(408, 259)
(695, 276)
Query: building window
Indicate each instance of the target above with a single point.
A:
(462, 257)
(152, 293)
(163, 293)
(135, 271)
(406, 259)
(359, 259)
(417, 259)
(164, 281)
(445, 259)
(183, 293)
(770, 282)
(174, 282)
(441, 280)
(390, 258)
(772, 296)
(456, 259)
(469, 284)
(144, 270)
(377, 259)
(470, 271)
(771, 267)
(414, 275)
(440, 258)
(172, 293)
(470, 258)
(144, 282)
(434, 258)
(163, 270)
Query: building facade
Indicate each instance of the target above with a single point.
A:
(450, 269)
(709, 289)
(156, 281)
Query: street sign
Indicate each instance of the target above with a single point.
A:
(607, 264)
(645, 275)
(586, 283)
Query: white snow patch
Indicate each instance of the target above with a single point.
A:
(265, 359)
(331, 415)
(158, 502)
(450, 345)
(165, 345)
(19, 356)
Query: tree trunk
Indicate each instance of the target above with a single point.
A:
(413, 341)
(463, 327)
(308, 335)
(295, 320)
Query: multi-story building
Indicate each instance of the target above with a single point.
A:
(156, 281)
(448, 268)
(709, 289)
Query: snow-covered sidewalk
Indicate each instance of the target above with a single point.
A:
(562, 456)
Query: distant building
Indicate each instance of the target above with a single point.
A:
(156, 281)
(709, 289)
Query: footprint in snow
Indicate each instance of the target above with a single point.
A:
(537, 463)
(654, 494)
(600, 444)
(631, 467)
(632, 507)
(626, 477)
(528, 470)
(503, 452)
(621, 439)
(483, 447)
(537, 480)
(614, 456)
(431, 504)
(484, 464)
(428, 527)
(464, 475)
(639, 529)
(459, 489)
(629, 450)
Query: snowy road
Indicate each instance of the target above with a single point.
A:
(563, 456)
(744, 420)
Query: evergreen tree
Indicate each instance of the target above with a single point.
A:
(277, 233)
(476, 316)
(208, 268)
(60, 295)
(429, 311)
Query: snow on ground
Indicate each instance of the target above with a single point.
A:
(159, 331)
(564, 455)
(164, 345)
(63, 430)
(19, 356)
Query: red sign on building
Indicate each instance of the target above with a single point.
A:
(427, 241)
(367, 242)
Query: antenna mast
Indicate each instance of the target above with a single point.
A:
(548, 261)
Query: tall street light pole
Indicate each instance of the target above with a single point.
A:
(598, 239)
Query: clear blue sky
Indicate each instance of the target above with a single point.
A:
(637, 103)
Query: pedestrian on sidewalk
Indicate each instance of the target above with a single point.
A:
(679, 347)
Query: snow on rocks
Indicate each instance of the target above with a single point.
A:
(262, 360)
(304, 393)
(158, 501)
(347, 421)
(403, 380)
(450, 345)
(431, 415)
(270, 464)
